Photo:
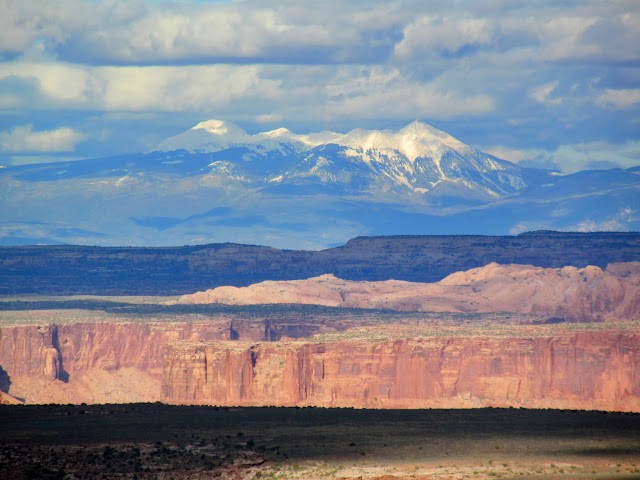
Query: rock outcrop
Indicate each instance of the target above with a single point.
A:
(104, 362)
(586, 294)
(93, 362)
(586, 370)
(385, 366)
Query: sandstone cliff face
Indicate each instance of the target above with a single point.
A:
(200, 364)
(587, 294)
(30, 351)
(588, 370)
(108, 362)
(72, 363)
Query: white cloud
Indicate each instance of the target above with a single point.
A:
(432, 35)
(370, 91)
(142, 88)
(24, 139)
(542, 94)
(619, 99)
(249, 90)
(181, 88)
(269, 117)
(139, 31)
(221, 31)
(26, 21)
(33, 159)
(562, 38)
(506, 153)
(149, 32)
(575, 157)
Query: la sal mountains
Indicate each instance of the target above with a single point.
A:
(417, 159)
(218, 183)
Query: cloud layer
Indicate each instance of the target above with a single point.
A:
(513, 75)
(24, 139)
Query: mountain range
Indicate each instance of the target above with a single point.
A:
(217, 183)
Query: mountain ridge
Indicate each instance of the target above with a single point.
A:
(417, 158)
(70, 270)
(309, 191)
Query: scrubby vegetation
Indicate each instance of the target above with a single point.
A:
(162, 441)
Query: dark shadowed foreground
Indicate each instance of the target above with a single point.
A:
(160, 441)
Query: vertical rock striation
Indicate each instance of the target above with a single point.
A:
(94, 362)
(586, 370)
(185, 363)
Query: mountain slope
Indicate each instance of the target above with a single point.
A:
(417, 159)
(217, 183)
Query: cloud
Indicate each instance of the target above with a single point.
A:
(572, 158)
(542, 94)
(269, 117)
(387, 90)
(520, 74)
(24, 139)
(148, 32)
(24, 22)
(139, 88)
(623, 99)
(15, 160)
(434, 35)
(139, 32)
(255, 90)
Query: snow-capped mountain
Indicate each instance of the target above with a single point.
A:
(217, 183)
(418, 159)
(217, 135)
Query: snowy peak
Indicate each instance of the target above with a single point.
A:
(368, 140)
(416, 140)
(209, 136)
(284, 134)
(216, 135)
(417, 158)
(278, 132)
(420, 133)
(221, 128)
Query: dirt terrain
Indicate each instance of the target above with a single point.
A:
(154, 441)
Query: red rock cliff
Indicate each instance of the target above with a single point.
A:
(198, 364)
(586, 370)
(93, 362)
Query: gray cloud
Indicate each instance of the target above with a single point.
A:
(120, 32)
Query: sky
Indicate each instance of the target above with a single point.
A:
(542, 83)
